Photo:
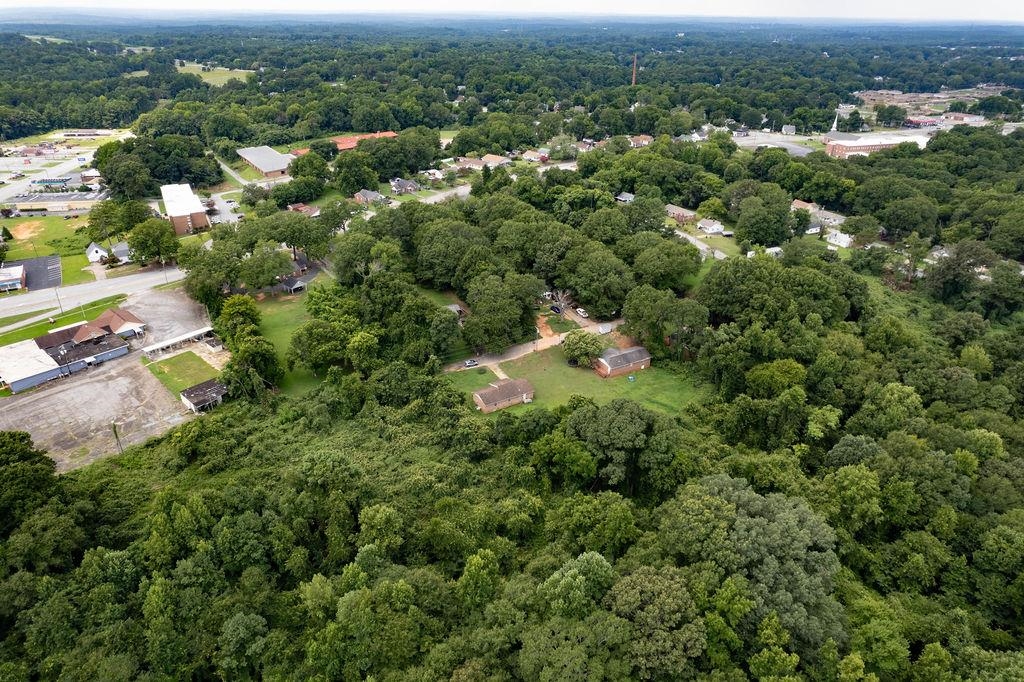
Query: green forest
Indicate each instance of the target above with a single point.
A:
(843, 499)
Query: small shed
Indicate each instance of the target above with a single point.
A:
(618, 361)
(204, 396)
(625, 197)
(502, 394)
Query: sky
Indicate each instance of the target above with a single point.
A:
(988, 11)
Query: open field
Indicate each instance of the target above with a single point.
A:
(47, 235)
(79, 314)
(472, 380)
(217, 76)
(49, 39)
(181, 371)
(554, 382)
(282, 315)
(39, 236)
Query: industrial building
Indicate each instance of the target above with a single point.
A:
(186, 213)
(270, 162)
(67, 350)
(845, 147)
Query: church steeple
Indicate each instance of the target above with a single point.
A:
(835, 123)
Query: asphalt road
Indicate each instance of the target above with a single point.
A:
(80, 294)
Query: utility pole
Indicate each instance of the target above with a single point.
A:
(117, 438)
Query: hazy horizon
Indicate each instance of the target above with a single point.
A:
(940, 11)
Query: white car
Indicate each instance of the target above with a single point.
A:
(582, 313)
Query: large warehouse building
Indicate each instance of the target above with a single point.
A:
(184, 209)
(62, 352)
(270, 162)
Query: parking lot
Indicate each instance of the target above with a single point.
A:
(40, 273)
(72, 418)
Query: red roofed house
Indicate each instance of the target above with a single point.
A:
(348, 142)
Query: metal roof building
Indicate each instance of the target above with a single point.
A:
(268, 161)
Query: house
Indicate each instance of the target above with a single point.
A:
(348, 142)
(502, 394)
(433, 174)
(367, 197)
(618, 361)
(710, 226)
(535, 156)
(837, 238)
(625, 198)
(495, 161)
(270, 162)
(637, 141)
(466, 163)
(810, 207)
(12, 277)
(95, 253)
(679, 214)
(121, 322)
(186, 213)
(402, 186)
(203, 396)
(789, 129)
(311, 211)
(90, 176)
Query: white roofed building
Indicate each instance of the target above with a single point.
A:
(186, 213)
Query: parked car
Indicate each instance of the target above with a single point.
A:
(471, 363)
(582, 313)
(548, 295)
(556, 310)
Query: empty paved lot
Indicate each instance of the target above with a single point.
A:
(71, 418)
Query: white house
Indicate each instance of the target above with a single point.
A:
(709, 226)
(95, 253)
(837, 238)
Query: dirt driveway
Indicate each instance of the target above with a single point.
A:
(71, 418)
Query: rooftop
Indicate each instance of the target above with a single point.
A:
(205, 393)
(11, 272)
(503, 390)
(22, 360)
(621, 357)
(179, 200)
(267, 160)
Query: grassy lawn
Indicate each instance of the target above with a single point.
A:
(218, 76)
(554, 381)
(11, 319)
(247, 172)
(79, 314)
(282, 315)
(181, 371)
(71, 271)
(726, 245)
(47, 234)
(438, 297)
(558, 323)
(330, 197)
(470, 380)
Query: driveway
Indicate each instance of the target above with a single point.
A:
(72, 419)
(225, 211)
(492, 360)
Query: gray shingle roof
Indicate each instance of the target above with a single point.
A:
(615, 357)
(503, 390)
